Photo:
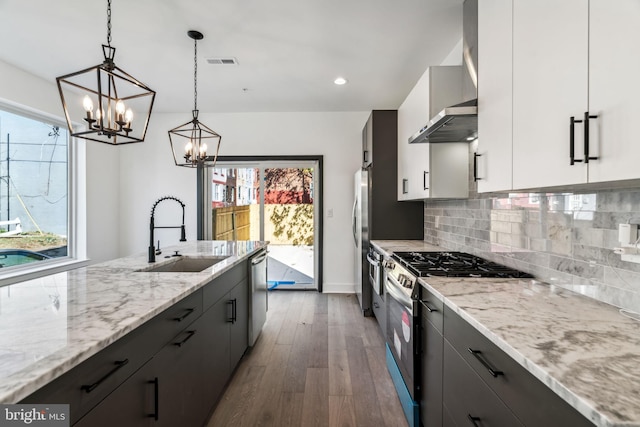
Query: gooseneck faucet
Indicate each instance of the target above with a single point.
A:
(152, 226)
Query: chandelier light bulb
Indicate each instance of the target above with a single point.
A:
(128, 116)
(120, 107)
(188, 147)
(87, 103)
(98, 113)
(203, 150)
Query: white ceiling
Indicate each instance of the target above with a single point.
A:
(289, 51)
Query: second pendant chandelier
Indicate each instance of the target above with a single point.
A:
(192, 141)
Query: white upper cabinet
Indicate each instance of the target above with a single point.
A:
(573, 62)
(614, 89)
(550, 85)
(424, 170)
(495, 96)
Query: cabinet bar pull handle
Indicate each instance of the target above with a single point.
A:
(189, 335)
(156, 404)
(230, 319)
(586, 137)
(405, 185)
(184, 316)
(572, 141)
(475, 167)
(424, 180)
(474, 420)
(478, 355)
(235, 310)
(429, 309)
(119, 364)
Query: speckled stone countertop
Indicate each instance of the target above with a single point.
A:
(51, 324)
(586, 351)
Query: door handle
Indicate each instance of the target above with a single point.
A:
(353, 222)
(572, 141)
(586, 136)
(405, 186)
(156, 405)
(119, 365)
(475, 167)
(424, 180)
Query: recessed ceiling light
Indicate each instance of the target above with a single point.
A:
(340, 81)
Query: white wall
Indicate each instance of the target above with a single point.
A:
(455, 56)
(101, 181)
(147, 172)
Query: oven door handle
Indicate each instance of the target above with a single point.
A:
(393, 289)
(372, 261)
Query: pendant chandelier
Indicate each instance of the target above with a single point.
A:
(104, 103)
(191, 141)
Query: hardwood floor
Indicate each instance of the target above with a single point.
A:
(318, 362)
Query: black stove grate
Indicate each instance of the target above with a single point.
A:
(454, 264)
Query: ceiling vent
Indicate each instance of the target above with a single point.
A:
(223, 61)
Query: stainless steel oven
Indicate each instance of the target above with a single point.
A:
(374, 260)
(402, 324)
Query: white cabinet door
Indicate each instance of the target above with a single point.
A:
(614, 89)
(439, 87)
(550, 84)
(413, 158)
(495, 95)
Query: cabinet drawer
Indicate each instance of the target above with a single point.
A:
(433, 307)
(468, 399)
(532, 401)
(219, 286)
(87, 384)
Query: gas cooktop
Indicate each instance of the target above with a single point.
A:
(454, 264)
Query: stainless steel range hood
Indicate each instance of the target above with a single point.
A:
(459, 123)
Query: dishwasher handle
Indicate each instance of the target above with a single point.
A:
(257, 259)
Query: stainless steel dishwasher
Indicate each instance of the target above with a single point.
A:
(259, 297)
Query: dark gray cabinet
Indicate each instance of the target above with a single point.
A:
(239, 325)
(526, 397)
(215, 365)
(468, 399)
(226, 341)
(431, 360)
(166, 391)
(170, 371)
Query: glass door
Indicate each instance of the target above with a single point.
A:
(272, 201)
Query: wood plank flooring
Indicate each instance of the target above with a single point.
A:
(318, 362)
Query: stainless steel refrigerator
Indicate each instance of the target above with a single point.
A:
(360, 226)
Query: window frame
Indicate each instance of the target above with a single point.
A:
(76, 205)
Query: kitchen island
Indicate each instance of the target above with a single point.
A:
(52, 324)
(585, 351)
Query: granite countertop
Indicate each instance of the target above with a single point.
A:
(51, 324)
(586, 351)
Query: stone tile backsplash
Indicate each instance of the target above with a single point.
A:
(564, 239)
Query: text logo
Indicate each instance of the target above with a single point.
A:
(34, 415)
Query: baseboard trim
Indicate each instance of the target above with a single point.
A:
(338, 288)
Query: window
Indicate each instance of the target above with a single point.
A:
(35, 196)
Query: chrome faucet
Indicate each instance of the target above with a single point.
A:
(152, 227)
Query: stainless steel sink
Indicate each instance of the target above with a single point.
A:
(185, 264)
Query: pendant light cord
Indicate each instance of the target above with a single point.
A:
(195, 74)
(109, 23)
